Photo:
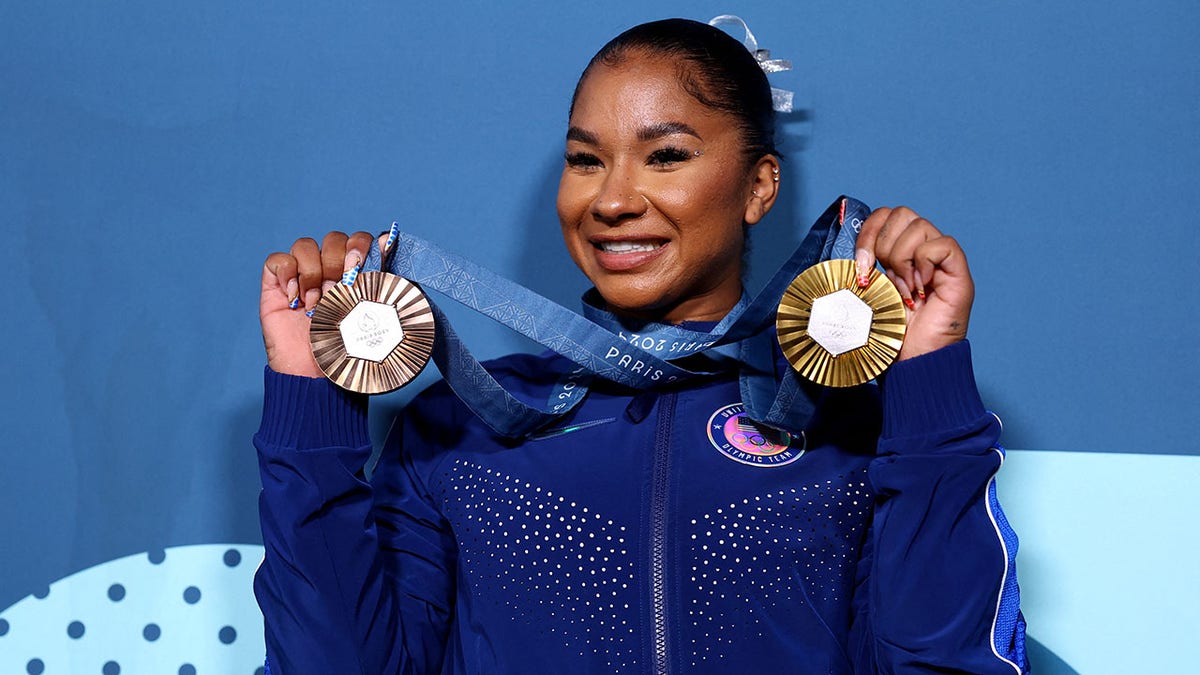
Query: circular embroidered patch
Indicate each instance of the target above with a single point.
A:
(741, 439)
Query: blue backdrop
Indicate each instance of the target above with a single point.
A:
(152, 155)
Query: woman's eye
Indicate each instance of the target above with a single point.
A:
(669, 156)
(582, 160)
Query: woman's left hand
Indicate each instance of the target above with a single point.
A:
(930, 271)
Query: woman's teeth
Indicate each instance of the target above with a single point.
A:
(626, 246)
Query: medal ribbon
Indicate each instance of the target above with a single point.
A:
(638, 356)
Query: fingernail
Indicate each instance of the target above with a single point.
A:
(310, 312)
(920, 284)
(862, 263)
(293, 296)
(352, 267)
(393, 234)
(902, 288)
(312, 297)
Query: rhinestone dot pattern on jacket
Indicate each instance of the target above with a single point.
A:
(789, 547)
(558, 566)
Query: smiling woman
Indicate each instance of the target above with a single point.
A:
(658, 529)
(670, 156)
(655, 195)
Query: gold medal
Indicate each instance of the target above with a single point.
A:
(374, 336)
(835, 333)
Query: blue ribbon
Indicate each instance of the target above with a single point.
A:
(639, 356)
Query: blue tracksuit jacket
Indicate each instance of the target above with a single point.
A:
(651, 533)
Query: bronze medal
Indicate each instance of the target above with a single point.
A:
(374, 336)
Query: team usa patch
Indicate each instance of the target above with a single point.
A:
(741, 439)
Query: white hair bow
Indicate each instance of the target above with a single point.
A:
(781, 99)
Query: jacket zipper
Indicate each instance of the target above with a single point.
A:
(658, 529)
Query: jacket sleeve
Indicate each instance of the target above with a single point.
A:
(936, 585)
(334, 599)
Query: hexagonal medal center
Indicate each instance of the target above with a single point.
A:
(840, 322)
(371, 331)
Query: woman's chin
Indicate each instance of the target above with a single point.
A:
(661, 308)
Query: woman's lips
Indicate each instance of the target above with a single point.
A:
(626, 254)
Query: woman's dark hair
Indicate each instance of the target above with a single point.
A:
(714, 68)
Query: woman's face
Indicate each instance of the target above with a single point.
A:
(655, 191)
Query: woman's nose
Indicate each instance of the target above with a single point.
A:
(619, 199)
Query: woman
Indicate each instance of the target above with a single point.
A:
(626, 539)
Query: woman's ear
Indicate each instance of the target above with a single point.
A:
(764, 188)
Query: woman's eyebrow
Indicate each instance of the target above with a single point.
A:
(577, 134)
(656, 131)
(646, 133)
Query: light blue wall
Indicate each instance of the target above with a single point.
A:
(1107, 557)
(151, 155)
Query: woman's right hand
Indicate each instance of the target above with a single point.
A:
(292, 283)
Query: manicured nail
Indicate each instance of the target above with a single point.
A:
(293, 295)
(352, 267)
(393, 234)
(902, 288)
(310, 312)
(312, 297)
(920, 284)
(862, 264)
